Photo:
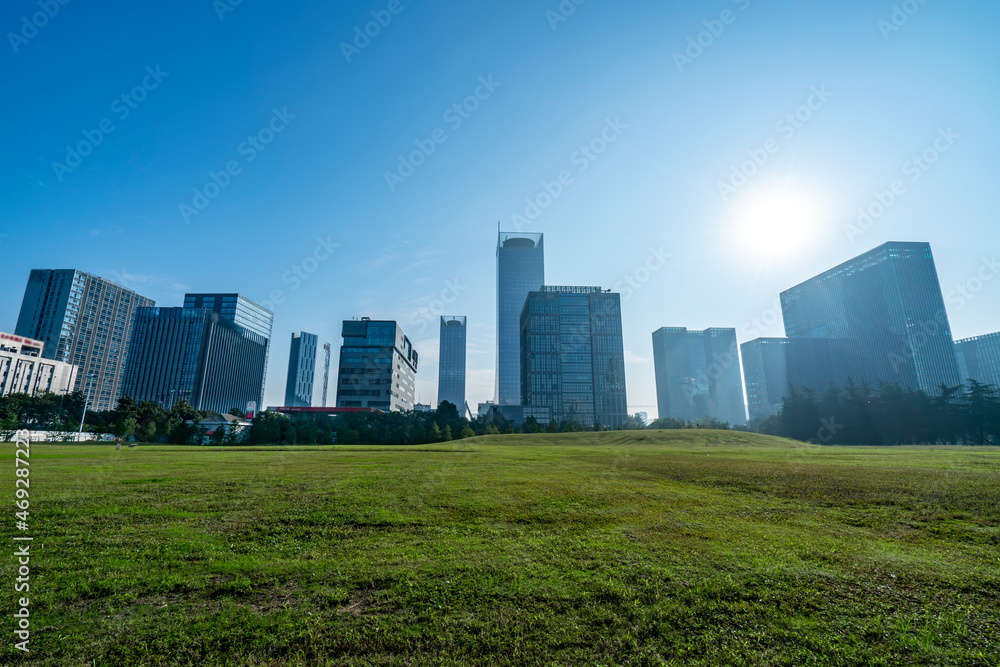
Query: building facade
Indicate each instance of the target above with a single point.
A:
(197, 355)
(979, 359)
(25, 370)
(572, 355)
(520, 270)
(378, 366)
(308, 372)
(451, 362)
(85, 321)
(698, 374)
(888, 304)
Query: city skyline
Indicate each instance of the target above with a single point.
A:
(594, 151)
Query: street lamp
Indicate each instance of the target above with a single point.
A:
(86, 403)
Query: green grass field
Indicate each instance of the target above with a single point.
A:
(640, 548)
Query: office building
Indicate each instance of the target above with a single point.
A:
(520, 269)
(85, 321)
(698, 375)
(378, 366)
(572, 355)
(979, 359)
(25, 370)
(888, 304)
(198, 355)
(451, 362)
(308, 372)
(765, 367)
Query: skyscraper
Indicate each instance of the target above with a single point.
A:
(520, 269)
(698, 374)
(378, 366)
(197, 355)
(308, 372)
(83, 320)
(451, 362)
(572, 355)
(888, 304)
(979, 359)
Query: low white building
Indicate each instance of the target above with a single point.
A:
(24, 371)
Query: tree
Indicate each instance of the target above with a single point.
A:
(467, 432)
(435, 432)
(218, 436)
(124, 428)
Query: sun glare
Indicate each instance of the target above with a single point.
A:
(778, 223)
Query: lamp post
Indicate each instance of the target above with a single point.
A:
(86, 403)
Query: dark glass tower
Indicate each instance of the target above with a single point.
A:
(698, 374)
(308, 372)
(83, 320)
(572, 355)
(196, 355)
(451, 362)
(888, 304)
(520, 269)
(979, 359)
(378, 366)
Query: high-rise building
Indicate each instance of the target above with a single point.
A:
(85, 321)
(765, 367)
(888, 304)
(308, 372)
(25, 370)
(451, 362)
(520, 269)
(378, 366)
(197, 355)
(572, 355)
(979, 359)
(698, 374)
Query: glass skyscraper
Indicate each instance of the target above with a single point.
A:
(572, 355)
(196, 355)
(451, 362)
(308, 372)
(378, 366)
(888, 304)
(698, 374)
(979, 359)
(520, 269)
(83, 320)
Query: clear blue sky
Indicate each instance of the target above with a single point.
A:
(686, 123)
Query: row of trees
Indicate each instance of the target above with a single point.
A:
(890, 416)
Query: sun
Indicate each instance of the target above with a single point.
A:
(777, 223)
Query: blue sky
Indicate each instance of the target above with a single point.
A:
(210, 75)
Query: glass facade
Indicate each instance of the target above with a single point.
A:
(979, 359)
(308, 372)
(83, 320)
(451, 362)
(888, 303)
(195, 355)
(520, 269)
(698, 374)
(572, 355)
(378, 366)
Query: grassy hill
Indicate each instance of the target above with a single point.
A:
(640, 548)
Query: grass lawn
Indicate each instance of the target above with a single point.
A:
(641, 548)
